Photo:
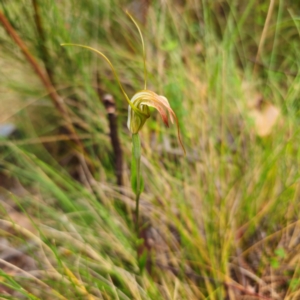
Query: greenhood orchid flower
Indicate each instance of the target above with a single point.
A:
(142, 100)
(138, 106)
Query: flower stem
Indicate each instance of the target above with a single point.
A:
(136, 178)
(137, 227)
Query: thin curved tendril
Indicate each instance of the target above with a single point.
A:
(143, 45)
(114, 71)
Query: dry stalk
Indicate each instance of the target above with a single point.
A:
(264, 34)
(110, 106)
(42, 40)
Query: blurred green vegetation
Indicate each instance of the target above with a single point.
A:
(221, 222)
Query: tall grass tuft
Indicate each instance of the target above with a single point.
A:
(219, 223)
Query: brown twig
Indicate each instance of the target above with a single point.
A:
(56, 99)
(110, 106)
(42, 41)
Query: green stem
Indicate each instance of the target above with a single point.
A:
(137, 227)
(136, 179)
